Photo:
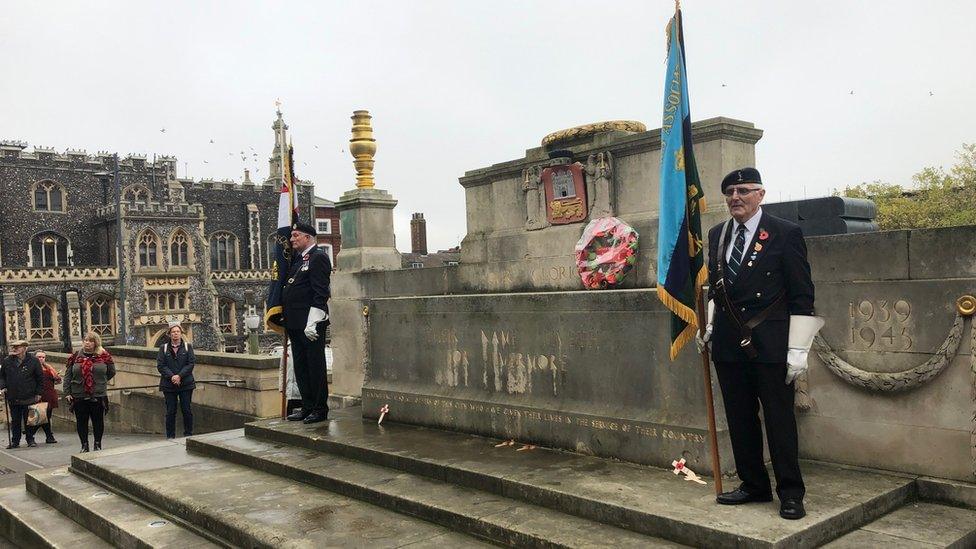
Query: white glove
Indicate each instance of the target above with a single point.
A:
(802, 331)
(796, 364)
(705, 341)
(315, 315)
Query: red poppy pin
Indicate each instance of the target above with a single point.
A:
(763, 235)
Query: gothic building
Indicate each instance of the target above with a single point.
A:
(196, 251)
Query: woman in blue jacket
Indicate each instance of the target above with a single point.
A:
(175, 364)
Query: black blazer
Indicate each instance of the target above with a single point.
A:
(182, 365)
(780, 266)
(307, 286)
(23, 382)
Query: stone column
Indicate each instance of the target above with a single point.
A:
(11, 311)
(366, 213)
(74, 319)
(366, 226)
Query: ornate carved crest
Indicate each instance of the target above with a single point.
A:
(565, 192)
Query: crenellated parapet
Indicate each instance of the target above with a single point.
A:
(58, 274)
(151, 209)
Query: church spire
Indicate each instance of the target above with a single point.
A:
(275, 163)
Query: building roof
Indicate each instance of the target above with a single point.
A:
(323, 202)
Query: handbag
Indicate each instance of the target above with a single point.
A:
(37, 414)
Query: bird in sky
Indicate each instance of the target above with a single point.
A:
(162, 130)
(211, 141)
(205, 162)
(725, 85)
(852, 92)
(930, 93)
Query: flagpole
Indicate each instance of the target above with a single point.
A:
(709, 401)
(284, 332)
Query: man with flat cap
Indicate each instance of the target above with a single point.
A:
(760, 327)
(21, 382)
(305, 297)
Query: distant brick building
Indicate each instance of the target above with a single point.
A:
(191, 250)
(327, 226)
(418, 257)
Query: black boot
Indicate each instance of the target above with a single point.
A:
(98, 445)
(84, 447)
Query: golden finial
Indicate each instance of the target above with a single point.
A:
(362, 146)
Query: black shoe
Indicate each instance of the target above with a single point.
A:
(84, 447)
(13, 445)
(31, 444)
(98, 446)
(297, 416)
(792, 509)
(316, 417)
(50, 440)
(740, 496)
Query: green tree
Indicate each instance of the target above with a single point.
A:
(935, 199)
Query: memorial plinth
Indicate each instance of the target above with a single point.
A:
(582, 371)
(366, 225)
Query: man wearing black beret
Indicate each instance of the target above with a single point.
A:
(305, 297)
(760, 327)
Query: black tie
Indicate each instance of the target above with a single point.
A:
(735, 262)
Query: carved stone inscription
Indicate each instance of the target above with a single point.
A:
(504, 364)
(593, 423)
(881, 324)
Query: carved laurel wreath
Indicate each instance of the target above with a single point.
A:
(911, 378)
(907, 379)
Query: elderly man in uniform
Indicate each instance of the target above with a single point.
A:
(760, 328)
(21, 382)
(305, 297)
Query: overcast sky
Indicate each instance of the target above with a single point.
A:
(455, 86)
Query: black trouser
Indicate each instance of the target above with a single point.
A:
(744, 386)
(18, 423)
(185, 398)
(310, 373)
(47, 426)
(86, 409)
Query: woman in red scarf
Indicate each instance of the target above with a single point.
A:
(86, 381)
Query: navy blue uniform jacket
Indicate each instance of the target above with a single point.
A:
(780, 266)
(307, 286)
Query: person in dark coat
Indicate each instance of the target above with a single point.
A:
(761, 293)
(305, 297)
(175, 363)
(49, 394)
(21, 380)
(86, 384)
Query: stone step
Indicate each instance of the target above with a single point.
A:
(646, 500)
(921, 525)
(27, 522)
(112, 517)
(502, 520)
(250, 508)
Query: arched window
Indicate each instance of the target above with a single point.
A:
(42, 319)
(101, 315)
(135, 193)
(148, 250)
(227, 315)
(48, 196)
(223, 252)
(179, 249)
(49, 249)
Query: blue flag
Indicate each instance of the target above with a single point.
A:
(681, 267)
